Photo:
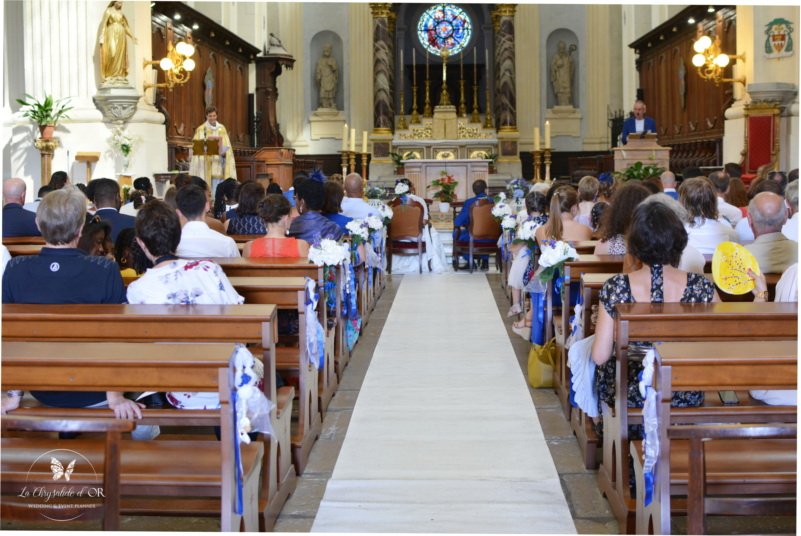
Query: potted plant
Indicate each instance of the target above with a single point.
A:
(447, 190)
(493, 159)
(398, 158)
(46, 112)
(638, 171)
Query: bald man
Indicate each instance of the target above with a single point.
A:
(773, 251)
(353, 206)
(16, 220)
(668, 180)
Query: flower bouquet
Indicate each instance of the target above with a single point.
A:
(447, 187)
(553, 256)
(501, 209)
(386, 213)
(122, 142)
(509, 223)
(401, 188)
(359, 232)
(374, 192)
(375, 223)
(328, 252)
(518, 188)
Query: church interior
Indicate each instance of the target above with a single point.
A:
(440, 377)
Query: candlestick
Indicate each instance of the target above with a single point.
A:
(444, 97)
(345, 137)
(402, 119)
(427, 111)
(536, 138)
(488, 121)
(414, 67)
(365, 154)
(475, 67)
(537, 164)
(547, 153)
(461, 67)
(415, 116)
(352, 158)
(426, 66)
(364, 141)
(462, 103)
(352, 140)
(475, 117)
(486, 59)
(547, 134)
(344, 162)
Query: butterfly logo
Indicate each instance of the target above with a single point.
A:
(59, 471)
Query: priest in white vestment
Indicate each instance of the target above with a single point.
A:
(213, 168)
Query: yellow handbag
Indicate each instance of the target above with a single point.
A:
(541, 360)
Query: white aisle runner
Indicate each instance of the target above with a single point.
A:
(444, 437)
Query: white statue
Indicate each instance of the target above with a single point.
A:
(327, 75)
(562, 72)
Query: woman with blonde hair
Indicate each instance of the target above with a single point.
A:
(588, 188)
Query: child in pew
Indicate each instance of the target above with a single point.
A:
(535, 208)
(786, 291)
(64, 274)
(171, 280)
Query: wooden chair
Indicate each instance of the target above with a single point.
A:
(482, 227)
(761, 138)
(405, 233)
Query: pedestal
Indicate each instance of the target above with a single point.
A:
(326, 123)
(445, 124)
(116, 103)
(46, 149)
(565, 121)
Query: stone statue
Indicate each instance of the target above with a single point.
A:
(562, 74)
(114, 34)
(327, 75)
(276, 46)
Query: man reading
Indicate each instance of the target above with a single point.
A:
(218, 166)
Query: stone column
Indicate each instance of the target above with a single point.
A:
(506, 88)
(292, 112)
(383, 115)
(528, 106)
(596, 96)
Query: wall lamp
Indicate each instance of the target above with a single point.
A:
(177, 64)
(710, 61)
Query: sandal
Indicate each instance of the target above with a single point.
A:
(520, 324)
(523, 331)
(514, 310)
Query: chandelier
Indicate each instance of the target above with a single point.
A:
(711, 61)
(177, 64)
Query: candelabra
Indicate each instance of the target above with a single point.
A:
(352, 158)
(427, 110)
(475, 117)
(462, 103)
(547, 158)
(402, 121)
(344, 162)
(537, 164)
(415, 119)
(364, 164)
(488, 121)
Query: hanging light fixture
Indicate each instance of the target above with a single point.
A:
(710, 60)
(177, 64)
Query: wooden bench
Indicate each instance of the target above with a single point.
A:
(296, 267)
(17, 240)
(187, 476)
(15, 250)
(742, 459)
(667, 322)
(288, 293)
(248, 324)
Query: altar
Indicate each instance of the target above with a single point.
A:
(422, 172)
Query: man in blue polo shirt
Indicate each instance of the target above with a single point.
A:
(63, 274)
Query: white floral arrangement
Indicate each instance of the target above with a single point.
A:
(329, 253)
(386, 212)
(358, 230)
(500, 197)
(553, 255)
(122, 142)
(522, 216)
(375, 223)
(509, 223)
(500, 210)
(527, 231)
(401, 188)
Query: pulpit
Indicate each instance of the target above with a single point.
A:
(643, 149)
(422, 172)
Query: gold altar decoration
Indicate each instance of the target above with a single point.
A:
(46, 149)
(444, 98)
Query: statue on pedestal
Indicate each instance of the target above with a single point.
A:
(327, 75)
(562, 74)
(114, 34)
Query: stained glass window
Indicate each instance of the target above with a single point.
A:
(444, 26)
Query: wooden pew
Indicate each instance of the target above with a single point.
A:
(572, 274)
(191, 476)
(17, 240)
(666, 322)
(744, 469)
(288, 293)
(248, 324)
(15, 250)
(584, 247)
(296, 267)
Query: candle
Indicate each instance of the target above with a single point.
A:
(536, 138)
(547, 134)
(475, 67)
(461, 67)
(414, 67)
(344, 137)
(364, 140)
(401, 70)
(444, 73)
(486, 59)
(426, 66)
(353, 138)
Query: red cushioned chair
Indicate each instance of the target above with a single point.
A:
(761, 139)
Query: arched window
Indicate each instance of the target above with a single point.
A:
(444, 26)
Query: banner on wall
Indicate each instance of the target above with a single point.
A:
(779, 40)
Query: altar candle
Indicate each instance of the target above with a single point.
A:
(547, 134)
(353, 139)
(475, 67)
(344, 137)
(401, 69)
(536, 138)
(414, 67)
(426, 66)
(364, 141)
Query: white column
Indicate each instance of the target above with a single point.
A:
(291, 115)
(527, 68)
(359, 67)
(627, 35)
(596, 94)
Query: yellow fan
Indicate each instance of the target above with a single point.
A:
(730, 265)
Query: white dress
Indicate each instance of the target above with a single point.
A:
(434, 250)
(186, 282)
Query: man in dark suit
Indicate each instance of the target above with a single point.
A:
(16, 220)
(107, 201)
(638, 123)
(463, 219)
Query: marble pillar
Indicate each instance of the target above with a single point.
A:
(505, 90)
(596, 99)
(383, 113)
(528, 106)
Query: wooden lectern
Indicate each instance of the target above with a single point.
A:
(88, 159)
(642, 148)
(205, 148)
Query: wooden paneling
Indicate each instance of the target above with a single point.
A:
(216, 49)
